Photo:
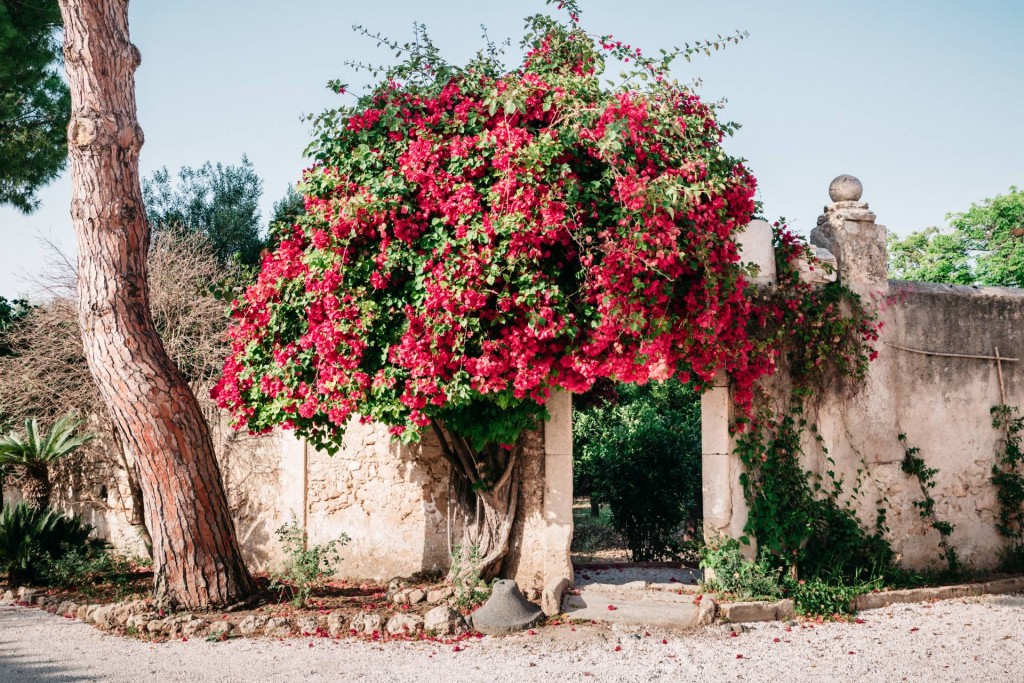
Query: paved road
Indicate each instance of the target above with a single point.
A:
(974, 639)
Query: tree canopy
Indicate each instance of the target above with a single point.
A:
(34, 101)
(217, 200)
(476, 237)
(984, 246)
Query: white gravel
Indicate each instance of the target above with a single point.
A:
(974, 639)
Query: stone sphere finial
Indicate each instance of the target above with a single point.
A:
(845, 188)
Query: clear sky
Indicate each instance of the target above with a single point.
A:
(922, 100)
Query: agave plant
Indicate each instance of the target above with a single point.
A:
(30, 537)
(27, 458)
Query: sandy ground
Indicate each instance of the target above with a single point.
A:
(975, 639)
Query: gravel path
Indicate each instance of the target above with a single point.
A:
(973, 639)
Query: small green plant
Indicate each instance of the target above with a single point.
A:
(1009, 482)
(465, 578)
(80, 568)
(306, 567)
(821, 598)
(760, 579)
(914, 465)
(31, 539)
(736, 575)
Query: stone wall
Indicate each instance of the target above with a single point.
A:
(935, 379)
(391, 500)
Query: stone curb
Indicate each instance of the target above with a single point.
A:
(749, 612)
(884, 598)
(783, 610)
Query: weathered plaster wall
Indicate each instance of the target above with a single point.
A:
(942, 405)
(940, 402)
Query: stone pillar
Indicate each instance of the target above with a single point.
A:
(757, 249)
(848, 230)
(558, 488)
(725, 508)
(292, 475)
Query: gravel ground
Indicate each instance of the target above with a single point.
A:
(974, 639)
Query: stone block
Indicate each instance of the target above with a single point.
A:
(367, 623)
(785, 610)
(715, 415)
(716, 490)
(252, 625)
(746, 612)
(279, 627)
(404, 624)
(551, 599)
(444, 621)
(755, 243)
(221, 629)
(707, 610)
(336, 625)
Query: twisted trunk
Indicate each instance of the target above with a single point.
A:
(196, 559)
(486, 494)
(35, 486)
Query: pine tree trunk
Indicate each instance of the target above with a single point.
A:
(196, 559)
(486, 496)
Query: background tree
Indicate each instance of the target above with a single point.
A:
(477, 237)
(34, 101)
(222, 202)
(46, 373)
(641, 449)
(984, 246)
(196, 558)
(288, 208)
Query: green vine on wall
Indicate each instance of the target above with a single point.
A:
(802, 521)
(914, 465)
(1009, 482)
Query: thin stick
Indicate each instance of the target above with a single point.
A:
(1002, 398)
(999, 370)
(949, 355)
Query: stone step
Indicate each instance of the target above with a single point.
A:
(654, 608)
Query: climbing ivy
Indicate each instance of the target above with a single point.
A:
(914, 465)
(803, 521)
(1009, 482)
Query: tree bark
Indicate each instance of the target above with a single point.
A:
(196, 558)
(486, 496)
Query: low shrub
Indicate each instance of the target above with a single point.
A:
(640, 447)
(818, 598)
(761, 579)
(32, 539)
(82, 568)
(736, 575)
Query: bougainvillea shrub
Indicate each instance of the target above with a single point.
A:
(476, 237)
